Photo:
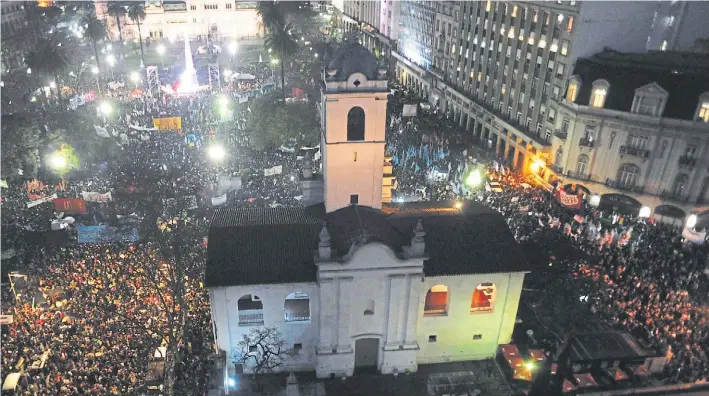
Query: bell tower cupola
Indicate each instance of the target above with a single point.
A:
(354, 105)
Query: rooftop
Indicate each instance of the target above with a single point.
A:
(278, 245)
(684, 76)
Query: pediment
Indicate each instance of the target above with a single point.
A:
(652, 88)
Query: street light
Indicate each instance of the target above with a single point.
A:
(105, 108)
(161, 51)
(233, 47)
(691, 221)
(216, 153)
(95, 71)
(474, 179)
(57, 160)
(29, 70)
(111, 61)
(135, 77)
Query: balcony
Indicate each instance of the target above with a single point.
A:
(435, 310)
(561, 135)
(579, 176)
(557, 169)
(635, 151)
(624, 186)
(673, 196)
(687, 161)
(251, 317)
(584, 142)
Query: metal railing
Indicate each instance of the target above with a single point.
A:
(561, 135)
(297, 317)
(586, 142)
(673, 196)
(579, 176)
(687, 161)
(254, 319)
(435, 310)
(638, 152)
(624, 186)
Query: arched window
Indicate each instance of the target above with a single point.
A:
(436, 301)
(628, 175)
(483, 298)
(573, 91)
(680, 184)
(355, 124)
(582, 164)
(559, 156)
(599, 93)
(297, 307)
(250, 310)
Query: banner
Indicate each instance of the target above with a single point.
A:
(70, 205)
(6, 319)
(571, 201)
(3, 183)
(46, 238)
(695, 237)
(276, 170)
(107, 234)
(168, 123)
(96, 197)
(220, 200)
(409, 110)
(102, 132)
(32, 204)
(227, 183)
(140, 128)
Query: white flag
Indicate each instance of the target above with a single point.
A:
(220, 200)
(102, 132)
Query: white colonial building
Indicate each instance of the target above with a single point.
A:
(353, 286)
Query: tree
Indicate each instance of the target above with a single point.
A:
(50, 59)
(117, 9)
(95, 31)
(271, 123)
(280, 39)
(263, 350)
(136, 12)
(270, 13)
(21, 144)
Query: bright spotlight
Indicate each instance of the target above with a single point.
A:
(474, 179)
(223, 101)
(644, 212)
(57, 160)
(458, 205)
(216, 153)
(52, 85)
(233, 47)
(691, 221)
(135, 77)
(105, 108)
(274, 61)
(111, 59)
(94, 70)
(231, 382)
(595, 200)
(161, 49)
(529, 366)
(228, 72)
(29, 70)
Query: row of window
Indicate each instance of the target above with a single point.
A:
(437, 299)
(296, 309)
(228, 6)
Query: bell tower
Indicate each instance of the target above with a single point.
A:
(354, 105)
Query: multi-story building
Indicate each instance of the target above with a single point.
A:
(501, 68)
(14, 35)
(634, 130)
(354, 284)
(220, 19)
(676, 25)
(377, 23)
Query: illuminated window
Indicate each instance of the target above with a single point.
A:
(664, 45)
(572, 92)
(599, 97)
(250, 309)
(628, 175)
(570, 25)
(297, 307)
(514, 12)
(704, 112)
(436, 301)
(564, 47)
(483, 299)
(488, 6)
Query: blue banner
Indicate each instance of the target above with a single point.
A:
(107, 234)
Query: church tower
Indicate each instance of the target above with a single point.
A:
(354, 105)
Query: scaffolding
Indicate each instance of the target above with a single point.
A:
(214, 80)
(153, 80)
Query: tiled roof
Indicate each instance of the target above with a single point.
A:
(684, 78)
(278, 245)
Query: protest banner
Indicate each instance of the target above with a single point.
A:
(102, 132)
(220, 200)
(38, 201)
(91, 196)
(107, 234)
(571, 201)
(168, 123)
(276, 170)
(70, 205)
(409, 110)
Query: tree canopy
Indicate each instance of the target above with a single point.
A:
(272, 123)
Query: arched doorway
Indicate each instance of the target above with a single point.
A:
(620, 203)
(669, 214)
(366, 354)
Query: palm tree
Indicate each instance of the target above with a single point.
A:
(136, 12)
(50, 59)
(280, 39)
(270, 13)
(117, 9)
(95, 31)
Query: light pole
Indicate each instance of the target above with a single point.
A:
(94, 70)
(233, 47)
(161, 51)
(274, 62)
(111, 61)
(216, 153)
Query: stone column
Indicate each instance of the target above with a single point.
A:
(498, 143)
(412, 298)
(470, 124)
(343, 314)
(462, 118)
(516, 159)
(397, 289)
(328, 315)
(508, 137)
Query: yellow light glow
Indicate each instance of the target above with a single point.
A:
(474, 179)
(458, 205)
(529, 366)
(534, 167)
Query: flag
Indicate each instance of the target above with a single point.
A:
(102, 132)
(220, 200)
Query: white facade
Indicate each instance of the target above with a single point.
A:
(220, 19)
(375, 297)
